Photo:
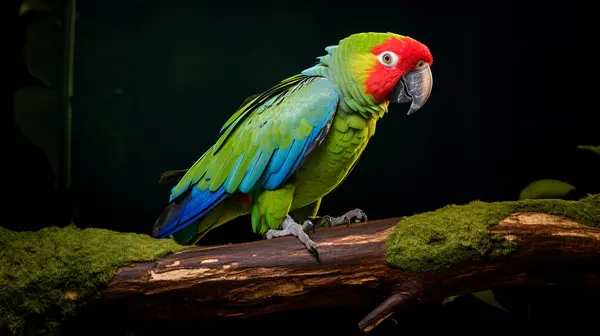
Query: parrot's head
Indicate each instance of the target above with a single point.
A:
(377, 69)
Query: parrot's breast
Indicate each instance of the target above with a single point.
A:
(332, 161)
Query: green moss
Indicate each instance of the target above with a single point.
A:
(45, 275)
(456, 233)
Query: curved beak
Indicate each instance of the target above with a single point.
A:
(414, 87)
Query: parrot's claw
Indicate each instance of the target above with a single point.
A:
(291, 228)
(352, 216)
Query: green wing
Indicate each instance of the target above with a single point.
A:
(260, 146)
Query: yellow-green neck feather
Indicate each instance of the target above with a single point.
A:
(348, 66)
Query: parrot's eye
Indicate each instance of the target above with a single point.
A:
(388, 58)
(420, 65)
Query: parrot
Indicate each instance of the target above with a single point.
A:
(286, 148)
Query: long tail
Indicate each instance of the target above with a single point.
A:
(185, 210)
(223, 212)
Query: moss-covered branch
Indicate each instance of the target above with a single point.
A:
(45, 276)
(456, 233)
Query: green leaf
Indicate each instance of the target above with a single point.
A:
(546, 188)
(487, 296)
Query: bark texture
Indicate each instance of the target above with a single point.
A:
(265, 277)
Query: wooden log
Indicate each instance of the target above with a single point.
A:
(272, 276)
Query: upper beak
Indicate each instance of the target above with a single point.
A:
(414, 87)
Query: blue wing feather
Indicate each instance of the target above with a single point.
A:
(194, 207)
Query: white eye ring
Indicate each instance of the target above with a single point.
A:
(388, 58)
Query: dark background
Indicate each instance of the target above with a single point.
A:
(155, 80)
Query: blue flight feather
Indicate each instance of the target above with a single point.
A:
(187, 210)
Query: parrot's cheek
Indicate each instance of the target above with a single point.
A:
(414, 87)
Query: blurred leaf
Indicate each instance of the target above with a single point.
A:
(36, 112)
(24, 8)
(39, 5)
(449, 299)
(43, 51)
(595, 149)
(546, 188)
(487, 296)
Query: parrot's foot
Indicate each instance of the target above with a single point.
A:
(352, 216)
(291, 228)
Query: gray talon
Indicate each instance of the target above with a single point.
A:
(352, 216)
(308, 226)
(291, 228)
(326, 221)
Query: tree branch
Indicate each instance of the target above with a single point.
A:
(279, 275)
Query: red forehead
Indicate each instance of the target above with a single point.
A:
(409, 50)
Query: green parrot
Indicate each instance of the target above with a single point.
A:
(286, 148)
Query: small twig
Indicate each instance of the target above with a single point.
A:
(385, 310)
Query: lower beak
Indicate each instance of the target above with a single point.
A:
(414, 87)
